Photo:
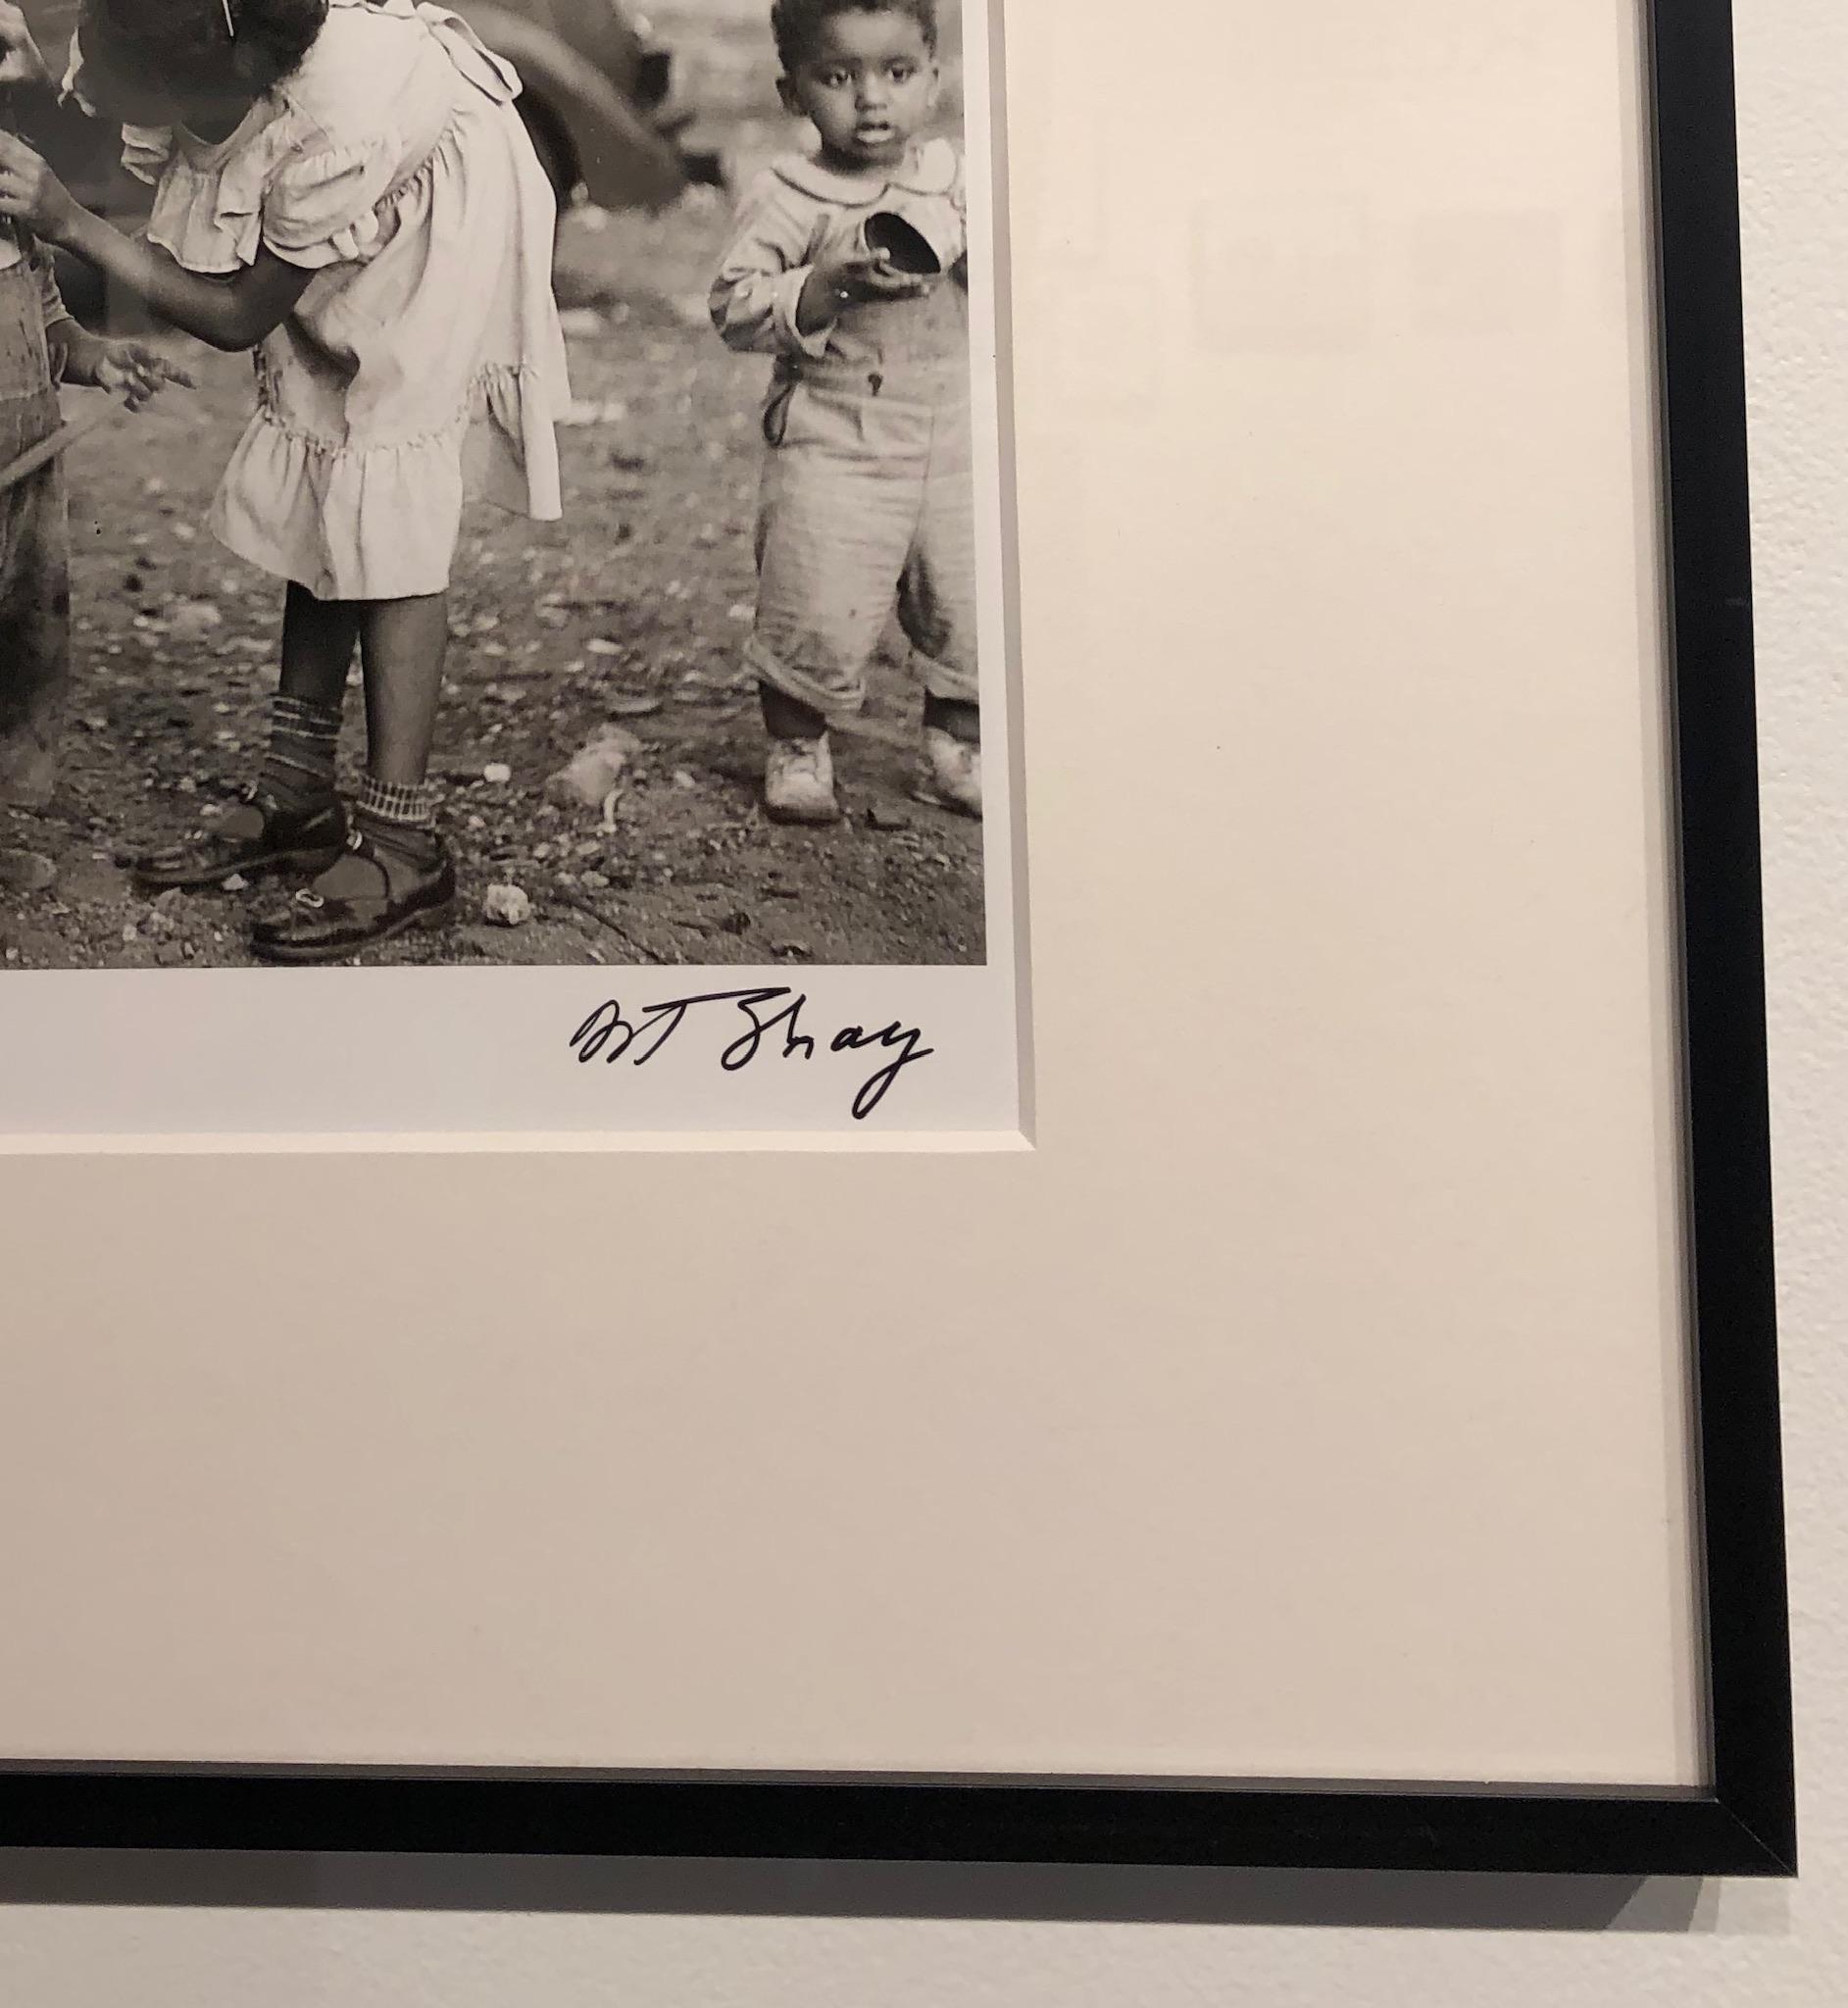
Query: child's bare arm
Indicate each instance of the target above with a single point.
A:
(77, 353)
(233, 313)
(131, 369)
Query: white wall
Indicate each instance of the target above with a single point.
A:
(91, 1932)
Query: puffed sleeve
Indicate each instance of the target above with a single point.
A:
(146, 150)
(321, 208)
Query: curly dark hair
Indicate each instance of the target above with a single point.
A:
(796, 23)
(183, 46)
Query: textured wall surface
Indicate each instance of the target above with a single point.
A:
(84, 1933)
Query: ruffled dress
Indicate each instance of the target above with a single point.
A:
(424, 359)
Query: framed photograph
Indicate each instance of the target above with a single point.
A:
(585, 1270)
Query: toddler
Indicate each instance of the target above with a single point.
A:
(867, 503)
(40, 345)
(346, 187)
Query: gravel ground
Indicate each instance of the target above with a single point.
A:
(629, 614)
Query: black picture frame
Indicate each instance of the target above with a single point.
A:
(1744, 1824)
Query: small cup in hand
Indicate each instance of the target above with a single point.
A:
(902, 245)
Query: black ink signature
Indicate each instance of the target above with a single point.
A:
(609, 1036)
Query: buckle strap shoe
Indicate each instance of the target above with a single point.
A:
(261, 834)
(374, 892)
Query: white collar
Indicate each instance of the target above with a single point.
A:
(930, 170)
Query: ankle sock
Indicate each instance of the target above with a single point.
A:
(298, 768)
(400, 813)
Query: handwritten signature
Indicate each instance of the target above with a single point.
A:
(610, 1035)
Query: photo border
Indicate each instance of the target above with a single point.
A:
(1743, 1823)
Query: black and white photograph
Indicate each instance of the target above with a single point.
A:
(694, 680)
(495, 488)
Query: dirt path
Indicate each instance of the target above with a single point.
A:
(631, 611)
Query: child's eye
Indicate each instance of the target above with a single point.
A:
(834, 79)
(903, 72)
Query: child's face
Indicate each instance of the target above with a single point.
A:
(868, 81)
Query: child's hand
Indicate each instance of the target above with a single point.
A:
(863, 275)
(20, 63)
(135, 372)
(32, 193)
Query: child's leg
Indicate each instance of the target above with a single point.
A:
(319, 638)
(957, 715)
(395, 874)
(34, 652)
(834, 522)
(34, 562)
(788, 718)
(35, 554)
(405, 642)
(34, 635)
(798, 764)
(936, 608)
(292, 818)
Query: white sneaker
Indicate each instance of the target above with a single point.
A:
(952, 773)
(799, 782)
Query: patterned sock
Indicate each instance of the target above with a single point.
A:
(400, 814)
(298, 768)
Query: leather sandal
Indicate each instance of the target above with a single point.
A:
(371, 893)
(261, 834)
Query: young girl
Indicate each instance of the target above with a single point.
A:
(868, 503)
(40, 345)
(346, 187)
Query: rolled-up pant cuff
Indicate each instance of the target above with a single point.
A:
(945, 682)
(836, 697)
